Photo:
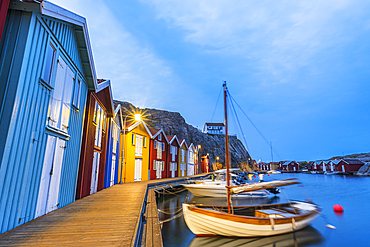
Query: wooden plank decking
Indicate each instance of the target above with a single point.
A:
(107, 218)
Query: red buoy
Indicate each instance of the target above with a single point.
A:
(338, 208)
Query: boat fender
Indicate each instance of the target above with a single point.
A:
(272, 223)
(293, 224)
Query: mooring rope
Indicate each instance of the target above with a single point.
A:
(164, 212)
(172, 218)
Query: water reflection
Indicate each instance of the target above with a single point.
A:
(305, 237)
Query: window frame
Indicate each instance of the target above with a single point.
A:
(76, 101)
(54, 59)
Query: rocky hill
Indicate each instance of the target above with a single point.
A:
(174, 124)
(365, 157)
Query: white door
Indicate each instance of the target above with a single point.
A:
(173, 165)
(159, 169)
(50, 179)
(113, 169)
(95, 173)
(138, 163)
(343, 169)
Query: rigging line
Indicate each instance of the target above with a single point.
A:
(250, 121)
(214, 111)
(264, 138)
(237, 119)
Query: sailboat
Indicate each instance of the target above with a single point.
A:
(252, 220)
(217, 188)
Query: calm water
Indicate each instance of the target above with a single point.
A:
(352, 226)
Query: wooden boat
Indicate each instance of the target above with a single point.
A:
(217, 188)
(248, 221)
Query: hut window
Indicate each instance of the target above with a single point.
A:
(155, 144)
(182, 155)
(60, 105)
(76, 93)
(49, 62)
(139, 145)
(160, 137)
(133, 139)
(162, 146)
(144, 142)
(99, 125)
(159, 150)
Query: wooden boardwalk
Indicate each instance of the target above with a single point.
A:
(107, 218)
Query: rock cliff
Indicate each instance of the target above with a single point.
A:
(174, 124)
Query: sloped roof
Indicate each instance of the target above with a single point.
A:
(215, 124)
(172, 138)
(52, 10)
(353, 161)
(183, 142)
(157, 132)
(104, 86)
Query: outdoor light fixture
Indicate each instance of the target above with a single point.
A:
(137, 117)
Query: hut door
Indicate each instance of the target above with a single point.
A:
(50, 178)
(138, 163)
(159, 169)
(113, 169)
(173, 166)
(95, 173)
(343, 169)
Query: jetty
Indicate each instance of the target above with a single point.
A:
(121, 215)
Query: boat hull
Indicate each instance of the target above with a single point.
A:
(209, 222)
(202, 190)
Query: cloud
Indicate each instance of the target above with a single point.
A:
(136, 71)
(280, 37)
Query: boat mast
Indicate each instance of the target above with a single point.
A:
(227, 150)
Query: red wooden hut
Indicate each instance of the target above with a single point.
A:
(349, 165)
(205, 164)
(99, 107)
(172, 156)
(157, 158)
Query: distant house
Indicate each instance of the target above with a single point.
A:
(205, 164)
(214, 128)
(158, 157)
(46, 70)
(274, 165)
(136, 152)
(348, 165)
(290, 166)
(173, 156)
(183, 159)
(113, 155)
(99, 110)
(321, 166)
(191, 160)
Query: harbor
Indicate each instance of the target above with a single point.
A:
(351, 192)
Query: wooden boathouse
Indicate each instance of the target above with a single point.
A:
(47, 69)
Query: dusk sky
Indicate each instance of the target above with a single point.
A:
(300, 70)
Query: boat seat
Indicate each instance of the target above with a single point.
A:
(272, 213)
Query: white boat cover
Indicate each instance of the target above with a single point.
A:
(262, 185)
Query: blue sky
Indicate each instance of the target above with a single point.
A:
(299, 69)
